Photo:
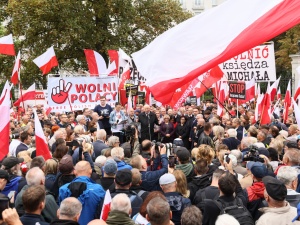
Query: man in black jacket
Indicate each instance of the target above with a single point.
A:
(147, 120)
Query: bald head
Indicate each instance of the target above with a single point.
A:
(83, 168)
(97, 222)
(70, 209)
(35, 176)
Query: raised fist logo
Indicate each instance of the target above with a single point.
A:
(60, 93)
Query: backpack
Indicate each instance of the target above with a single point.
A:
(235, 209)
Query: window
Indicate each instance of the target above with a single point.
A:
(197, 2)
(214, 2)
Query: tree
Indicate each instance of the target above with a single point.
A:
(72, 26)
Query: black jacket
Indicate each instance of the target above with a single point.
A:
(63, 222)
(210, 192)
(231, 142)
(32, 219)
(147, 125)
(198, 183)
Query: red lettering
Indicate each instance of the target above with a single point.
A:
(107, 87)
(73, 98)
(80, 88)
(91, 88)
(83, 98)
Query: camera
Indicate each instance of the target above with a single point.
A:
(172, 161)
(253, 155)
(130, 131)
(227, 158)
(157, 145)
(14, 136)
(82, 138)
(170, 148)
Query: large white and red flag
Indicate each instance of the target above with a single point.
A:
(287, 102)
(274, 88)
(114, 60)
(124, 76)
(174, 58)
(42, 148)
(27, 95)
(95, 61)
(15, 78)
(7, 45)
(46, 61)
(106, 206)
(279, 94)
(5, 121)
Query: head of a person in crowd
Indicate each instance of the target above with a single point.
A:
(95, 116)
(64, 119)
(12, 165)
(35, 176)
(238, 154)
(131, 112)
(139, 162)
(226, 219)
(123, 179)
(4, 179)
(247, 141)
(60, 133)
(273, 154)
(51, 166)
(227, 185)
(146, 109)
(231, 133)
(110, 168)
(34, 199)
(66, 165)
(150, 196)
(252, 131)
(158, 212)
(289, 176)
(214, 121)
(86, 112)
(39, 162)
(293, 129)
(258, 171)
(217, 174)
(146, 145)
(205, 152)
(236, 122)
(83, 168)
(117, 153)
(195, 111)
(25, 138)
(200, 122)
(290, 145)
(166, 118)
(69, 209)
(191, 215)
(261, 136)
(137, 112)
(207, 128)
(167, 183)
(121, 203)
(181, 183)
(101, 160)
(136, 177)
(25, 119)
(103, 101)
(163, 111)
(274, 131)
(101, 135)
(291, 157)
(275, 192)
(201, 167)
(170, 112)
(113, 141)
(183, 155)
(118, 107)
(81, 120)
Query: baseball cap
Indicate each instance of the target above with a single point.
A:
(259, 170)
(110, 167)
(167, 178)
(123, 177)
(249, 165)
(264, 151)
(4, 175)
(275, 188)
(66, 164)
(298, 213)
(11, 161)
(183, 154)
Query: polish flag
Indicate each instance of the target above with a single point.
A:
(7, 45)
(257, 90)
(46, 61)
(129, 102)
(167, 68)
(106, 206)
(182, 93)
(297, 113)
(47, 108)
(287, 102)
(145, 88)
(95, 61)
(207, 80)
(5, 121)
(266, 108)
(124, 76)
(274, 87)
(297, 91)
(27, 95)
(111, 68)
(221, 99)
(15, 78)
(258, 107)
(114, 58)
(279, 93)
(42, 148)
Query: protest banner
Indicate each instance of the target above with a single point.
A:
(77, 93)
(258, 62)
(237, 90)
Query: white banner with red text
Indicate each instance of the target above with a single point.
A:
(76, 93)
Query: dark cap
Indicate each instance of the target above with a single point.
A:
(275, 188)
(11, 161)
(4, 174)
(66, 164)
(183, 154)
(292, 144)
(259, 170)
(264, 151)
(123, 177)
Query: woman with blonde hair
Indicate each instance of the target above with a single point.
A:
(205, 152)
(181, 181)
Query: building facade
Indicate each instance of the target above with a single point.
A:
(198, 6)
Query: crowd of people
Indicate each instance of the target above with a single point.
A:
(161, 166)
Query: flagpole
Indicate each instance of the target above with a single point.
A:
(215, 97)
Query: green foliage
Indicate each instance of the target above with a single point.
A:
(72, 26)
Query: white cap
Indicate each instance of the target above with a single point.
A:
(167, 178)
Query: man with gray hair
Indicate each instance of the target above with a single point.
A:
(246, 143)
(158, 212)
(113, 141)
(289, 176)
(36, 176)
(232, 142)
(82, 121)
(120, 211)
(60, 133)
(68, 212)
(118, 155)
(239, 157)
(99, 144)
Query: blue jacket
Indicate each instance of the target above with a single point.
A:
(113, 119)
(122, 165)
(90, 198)
(150, 179)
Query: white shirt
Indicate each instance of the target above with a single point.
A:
(13, 146)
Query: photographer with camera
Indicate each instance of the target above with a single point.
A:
(150, 178)
(131, 146)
